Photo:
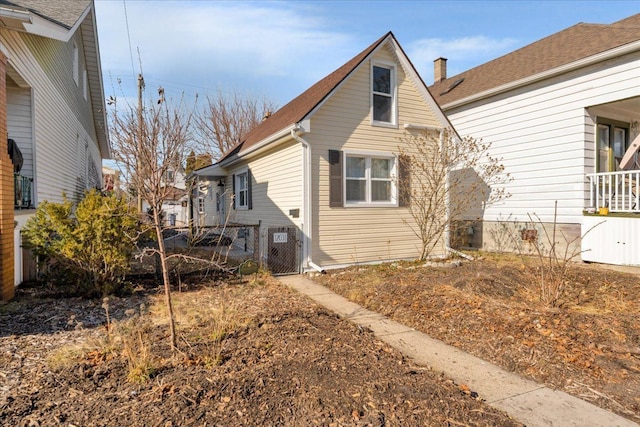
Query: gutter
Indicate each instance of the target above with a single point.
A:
(18, 15)
(258, 147)
(594, 59)
(306, 193)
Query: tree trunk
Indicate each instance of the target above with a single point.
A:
(165, 277)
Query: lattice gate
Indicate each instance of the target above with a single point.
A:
(282, 250)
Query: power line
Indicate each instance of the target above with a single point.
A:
(126, 19)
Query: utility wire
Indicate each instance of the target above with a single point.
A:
(126, 18)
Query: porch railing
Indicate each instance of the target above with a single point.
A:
(22, 191)
(618, 191)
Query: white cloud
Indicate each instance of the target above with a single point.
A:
(462, 53)
(219, 43)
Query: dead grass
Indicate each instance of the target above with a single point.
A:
(492, 308)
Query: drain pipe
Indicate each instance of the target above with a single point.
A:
(306, 196)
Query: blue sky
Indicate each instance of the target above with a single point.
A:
(277, 49)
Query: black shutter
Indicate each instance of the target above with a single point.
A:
(335, 179)
(249, 196)
(233, 189)
(404, 180)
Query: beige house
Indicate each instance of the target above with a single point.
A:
(321, 175)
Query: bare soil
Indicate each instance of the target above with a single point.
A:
(587, 345)
(251, 353)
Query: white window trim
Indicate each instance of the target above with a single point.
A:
(200, 205)
(393, 174)
(244, 207)
(394, 94)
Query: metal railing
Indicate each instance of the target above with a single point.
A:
(618, 191)
(22, 191)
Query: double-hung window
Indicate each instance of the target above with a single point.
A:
(383, 94)
(370, 179)
(242, 190)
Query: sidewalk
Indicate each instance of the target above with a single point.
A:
(526, 401)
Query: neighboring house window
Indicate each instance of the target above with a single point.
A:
(76, 64)
(383, 103)
(369, 179)
(612, 139)
(169, 176)
(242, 190)
(200, 205)
(85, 85)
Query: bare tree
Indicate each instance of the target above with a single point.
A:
(447, 179)
(149, 142)
(226, 118)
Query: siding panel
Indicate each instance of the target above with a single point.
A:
(545, 136)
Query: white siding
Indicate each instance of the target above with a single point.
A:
(19, 124)
(58, 129)
(545, 136)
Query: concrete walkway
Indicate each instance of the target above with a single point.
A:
(526, 401)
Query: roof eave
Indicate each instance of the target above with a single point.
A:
(584, 62)
(255, 149)
(94, 75)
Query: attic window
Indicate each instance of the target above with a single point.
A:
(453, 86)
(383, 94)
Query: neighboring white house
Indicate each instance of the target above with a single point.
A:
(321, 178)
(55, 110)
(175, 205)
(561, 113)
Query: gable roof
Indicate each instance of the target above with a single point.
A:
(305, 103)
(560, 49)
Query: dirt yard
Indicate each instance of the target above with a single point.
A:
(588, 344)
(251, 354)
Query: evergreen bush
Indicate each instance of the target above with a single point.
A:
(87, 251)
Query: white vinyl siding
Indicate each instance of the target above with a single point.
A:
(19, 124)
(544, 134)
(367, 234)
(59, 120)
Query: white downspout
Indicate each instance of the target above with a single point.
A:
(306, 199)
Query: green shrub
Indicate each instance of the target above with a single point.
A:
(87, 251)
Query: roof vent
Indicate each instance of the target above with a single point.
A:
(453, 86)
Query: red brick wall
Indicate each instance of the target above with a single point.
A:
(6, 195)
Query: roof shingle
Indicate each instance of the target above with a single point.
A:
(299, 107)
(572, 44)
(61, 12)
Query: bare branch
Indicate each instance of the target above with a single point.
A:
(227, 118)
(451, 179)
